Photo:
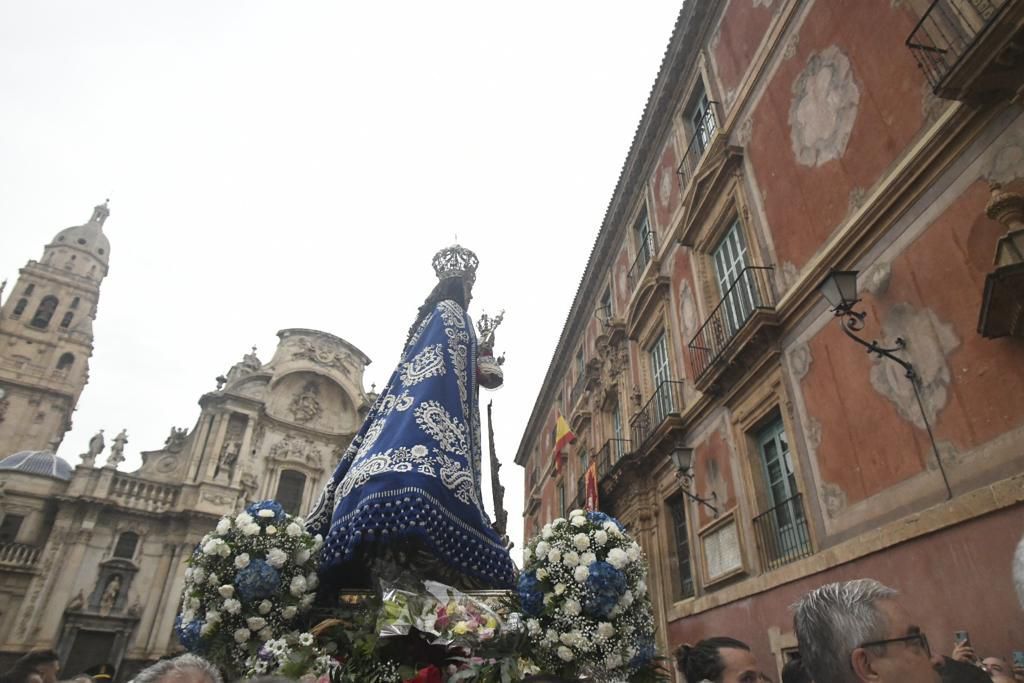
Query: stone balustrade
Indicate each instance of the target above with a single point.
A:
(140, 494)
(19, 555)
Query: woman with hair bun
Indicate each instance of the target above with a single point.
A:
(717, 660)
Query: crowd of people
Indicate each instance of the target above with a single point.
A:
(852, 632)
(849, 632)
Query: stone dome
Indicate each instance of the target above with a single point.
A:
(37, 462)
(88, 237)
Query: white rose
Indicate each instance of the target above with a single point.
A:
(276, 558)
(557, 522)
(581, 541)
(266, 634)
(232, 606)
(554, 555)
(271, 530)
(242, 561)
(533, 626)
(301, 556)
(251, 529)
(605, 630)
(542, 574)
(213, 617)
(527, 554)
(551, 636)
(210, 547)
(572, 607)
(577, 512)
(542, 550)
(633, 552)
(564, 653)
(578, 521)
(198, 574)
(641, 587)
(617, 558)
(588, 558)
(568, 638)
(266, 514)
(289, 612)
(627, 599)
(243, 518)
(559, 588)
(318, 542)
(293, 529)
(547, 532)
(580, 573)
(548, 597)
(242, 635)
(298, 586)
(213, 580)
(265, 607)
(255, 623)
(223, 526)
(226, 591)
(600, 537)
(307, 600)
(206, 629)
(613, 662)
(312, 581)
(571, 559)
(194, 602)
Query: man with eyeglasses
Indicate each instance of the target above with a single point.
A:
(857, 631)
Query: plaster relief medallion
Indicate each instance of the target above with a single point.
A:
(665, 183)
(857, 196)
(688, 310)
(929, 343)
(800, 361)
(1006, 163)
(834, 499)
(305, 406)
(322, 353)
(824, 108)
(790, 274)
(813, 433)
(791, 46)
(746, 132)
(876, 280)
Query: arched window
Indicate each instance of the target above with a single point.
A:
(74, 303)
(290, 489)
(66, 361)
(19, 307)
(45, 311)
(65, 322)
(126, 544)
(29, 289)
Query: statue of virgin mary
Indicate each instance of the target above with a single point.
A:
(407, 491)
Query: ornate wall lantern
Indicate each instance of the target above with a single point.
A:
(682, 458)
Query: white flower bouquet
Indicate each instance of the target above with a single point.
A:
(246, 583)
(583, 594)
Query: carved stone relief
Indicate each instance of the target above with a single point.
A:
(322, 352)
(929, 342)
(688, 311)
(800, 361)
(293, 447)
(834, 499)
(305, 406)
(824, 107)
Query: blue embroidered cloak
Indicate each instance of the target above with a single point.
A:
(412, 472)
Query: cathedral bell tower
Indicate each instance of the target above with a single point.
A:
(46, 336)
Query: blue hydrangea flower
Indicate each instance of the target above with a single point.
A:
(273, 505)
(605, 585)
(530, 594)
(599, 518)
(257, 581)
(645, 653)
(189, 635)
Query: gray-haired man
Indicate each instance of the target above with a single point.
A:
(182, 669)
(858, 631)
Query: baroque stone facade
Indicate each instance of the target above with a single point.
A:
(92, 557)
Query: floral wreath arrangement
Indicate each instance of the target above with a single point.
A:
(583, 593)
(247, 585)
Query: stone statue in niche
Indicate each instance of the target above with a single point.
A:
(96, 446)
(116, 456)
(228, 458)
(249, 487)
(109, 598)
(306, 404)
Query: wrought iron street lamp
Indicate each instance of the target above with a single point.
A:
(840, 290)
(682, 458)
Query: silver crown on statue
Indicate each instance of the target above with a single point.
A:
(456, 261)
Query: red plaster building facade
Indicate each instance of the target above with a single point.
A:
(783, 140)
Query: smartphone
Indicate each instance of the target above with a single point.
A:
(1018, 658)
(961, 637)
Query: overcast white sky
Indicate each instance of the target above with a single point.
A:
(275, 165)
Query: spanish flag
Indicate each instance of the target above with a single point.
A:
(563, 437)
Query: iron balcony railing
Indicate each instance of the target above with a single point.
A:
(698, 143)
(947, 31)
(645, 251)
(781, 533)
(750, 292)
(611, 452)
(577, 388)
(666, 400)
